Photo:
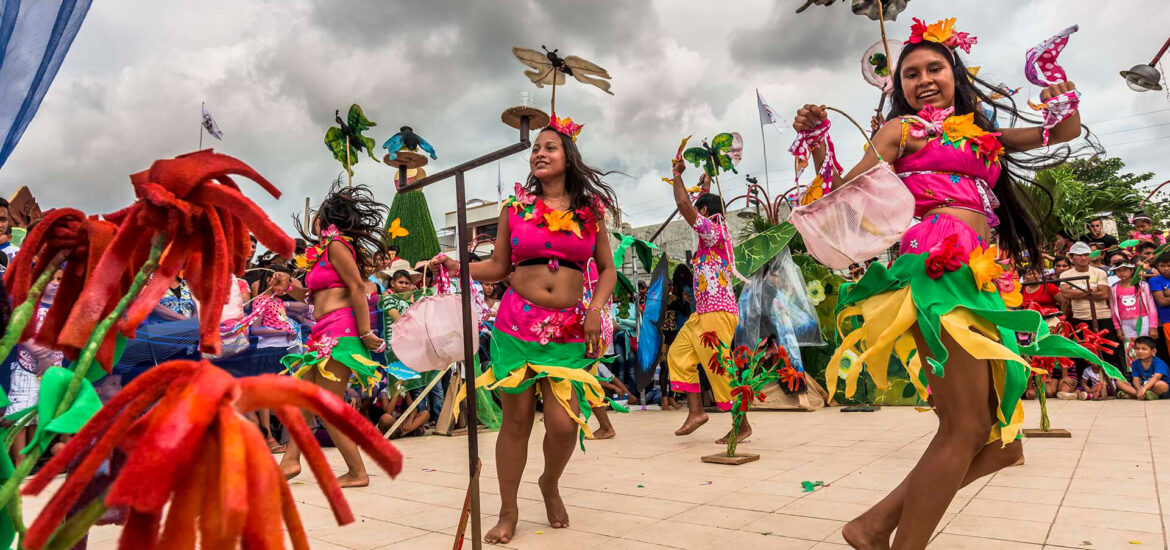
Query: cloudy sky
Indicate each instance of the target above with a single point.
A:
(273, 72)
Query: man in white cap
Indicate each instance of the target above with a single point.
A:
(1083, 303)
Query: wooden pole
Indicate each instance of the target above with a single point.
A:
(348, 170)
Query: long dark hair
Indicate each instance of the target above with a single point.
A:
(582, 182)
(357, 215)
(1017, 231)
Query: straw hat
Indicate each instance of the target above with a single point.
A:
(402, 265)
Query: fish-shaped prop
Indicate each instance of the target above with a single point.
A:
(1041, 68)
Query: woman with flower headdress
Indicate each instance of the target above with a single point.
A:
(946, 296)
(348, 226)
(551, 325)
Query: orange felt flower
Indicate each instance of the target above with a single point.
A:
(562, 221)
(961, 127)
(984, 267)
(940, 31)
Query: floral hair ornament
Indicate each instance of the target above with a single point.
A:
(943, 32)
(1042, 59)
(566, 126)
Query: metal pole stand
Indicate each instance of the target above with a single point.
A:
(522, 118)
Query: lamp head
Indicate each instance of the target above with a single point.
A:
(1143, 78)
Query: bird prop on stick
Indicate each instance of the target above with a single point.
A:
(346, 140)
(549, 68)
(407, 140)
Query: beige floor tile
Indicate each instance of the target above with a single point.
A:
(719, 516)
(365, 534)
(799, 527)
(700, 537)
(958, 542)
(1016, 530)
(1081, 536)
(603, 522)
(1112, 502)
(1017, 494)
(1028, 511)
(1128, 521)
(825, 509)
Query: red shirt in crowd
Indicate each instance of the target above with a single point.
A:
(1043, 294)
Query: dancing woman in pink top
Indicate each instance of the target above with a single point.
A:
(942, 306)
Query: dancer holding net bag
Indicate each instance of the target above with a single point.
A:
(942, 305)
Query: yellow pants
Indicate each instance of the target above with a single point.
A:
(688, 353)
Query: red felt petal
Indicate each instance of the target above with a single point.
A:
(171, 442)
(179, 530)
(233, 475)
(299, 432)
(292, 519)
(104, 285)
(263, 529)
(270, 391)
(211, 517)
(257, 221)
(140, 532)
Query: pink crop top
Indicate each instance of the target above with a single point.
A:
(950, 175)
(323, 275)
(538, 232)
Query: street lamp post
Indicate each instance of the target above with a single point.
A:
(1144, 78)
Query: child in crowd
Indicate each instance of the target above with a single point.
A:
(1159, 284)
(1134, 311)
(32, 360)
(1149, 373)
(1143, 229)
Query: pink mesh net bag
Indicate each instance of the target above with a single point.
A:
(858, 219)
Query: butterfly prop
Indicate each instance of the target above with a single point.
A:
(396, 230)
(408, 140)
(722, 154)
(346, 140)
(1041, 68)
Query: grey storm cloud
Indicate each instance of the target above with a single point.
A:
(273, 73)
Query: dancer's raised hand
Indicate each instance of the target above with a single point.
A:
(809, 117)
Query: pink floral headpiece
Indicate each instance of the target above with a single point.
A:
(566, 126)
(942, 32)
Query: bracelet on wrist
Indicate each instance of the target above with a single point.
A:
(370, 333)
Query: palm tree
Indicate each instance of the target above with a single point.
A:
(1059, 202)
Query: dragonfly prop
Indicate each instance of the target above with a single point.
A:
(408, 140)
(549, 68)
(346, 140)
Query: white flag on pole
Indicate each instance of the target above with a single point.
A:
(210, 125)
(767, 115)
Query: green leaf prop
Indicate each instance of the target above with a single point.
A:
(752, 254)
(643, 249)
(346, 141)
(54, 384)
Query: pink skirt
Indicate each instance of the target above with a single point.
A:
(933, 229)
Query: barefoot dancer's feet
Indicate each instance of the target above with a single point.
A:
(744, 432)
(558, 517)
(603, 433)
(865, 537)
(350, 479)
(504, 529)
(692, 423)
(290, 470)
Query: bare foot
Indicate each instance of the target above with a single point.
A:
(603, 433)
(860, 536)
(290, 470)
(504, 529)
(350, 479)
(558, 517)
(744, 433)
(692, 423)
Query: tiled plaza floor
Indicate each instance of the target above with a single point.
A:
(646, 489)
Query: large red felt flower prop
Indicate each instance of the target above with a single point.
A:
(81, 240)
(944, 256)
(186, 442)
(193, 201)
(1095, 342)
(746, 394)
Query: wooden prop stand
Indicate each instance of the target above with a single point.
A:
(1034, 433)
(469, 337)
(348, 169)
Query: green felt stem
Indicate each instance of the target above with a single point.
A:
(88, 354)
(75, 528)
(1042, 396)
(734, 440)
(16, 513)
(27, 309)
(23, 419)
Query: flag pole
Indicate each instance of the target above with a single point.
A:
(204, 104)
(767, 184)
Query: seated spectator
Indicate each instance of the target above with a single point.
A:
(1089, 299)
(1143, 229)
(1098, 236)
(1149, 373)
(177, 304)
(1046, 295)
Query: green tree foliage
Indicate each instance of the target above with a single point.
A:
(1060, 200)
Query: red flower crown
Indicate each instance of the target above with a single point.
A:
(943, 32)
(565, 126)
